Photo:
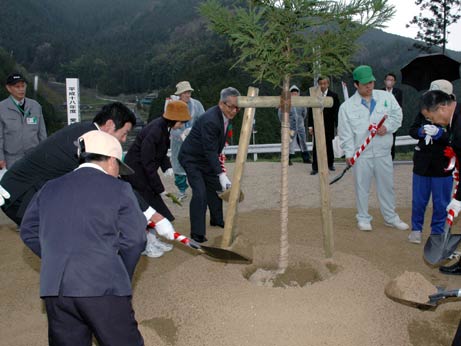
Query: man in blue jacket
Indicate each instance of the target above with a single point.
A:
(89, 231)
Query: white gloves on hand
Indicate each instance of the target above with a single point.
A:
(3, 195)
(428, 139)
(224, 181)
(165, 229)
(431, 130)
(185, 133)
(168, 173)
(454, 205)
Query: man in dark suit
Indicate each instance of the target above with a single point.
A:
(389, 82)
(199, 157)
(89, 233)
(56, 156)
(330, 119)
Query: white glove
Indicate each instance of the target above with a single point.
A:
(428, 139)
(454, 205)
(431, 130)
(185, 133)
(168, 173)
(3, 195)
(224, 181)
(165, 229)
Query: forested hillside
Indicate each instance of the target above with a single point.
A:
(136, 46)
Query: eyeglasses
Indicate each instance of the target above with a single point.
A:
(232, 108)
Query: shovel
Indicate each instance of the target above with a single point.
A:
(433, 300)
(439, 247)
(214, 252)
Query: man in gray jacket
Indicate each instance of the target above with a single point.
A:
(22, 125)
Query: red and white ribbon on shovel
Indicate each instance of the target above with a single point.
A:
(453, 164)
(373, 128)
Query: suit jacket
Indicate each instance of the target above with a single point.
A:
(89, 232)
(428, 160)
(205, 141)
(147, 153)
(398, 95)
(51, 158)
(330, 116)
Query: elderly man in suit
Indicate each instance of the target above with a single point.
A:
(330, 119)
(199, 157)
(389, 82)
(89, 233)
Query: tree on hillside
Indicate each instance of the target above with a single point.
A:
(280, 39)
(433, 26)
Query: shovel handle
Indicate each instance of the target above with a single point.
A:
(435, 298)
(186, 241)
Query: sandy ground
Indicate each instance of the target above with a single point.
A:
(184, 298)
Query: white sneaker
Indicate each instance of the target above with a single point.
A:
(181, 196)
(399, 224)
(415, 237)
(365, 226)
(165, 247)
(152, 251)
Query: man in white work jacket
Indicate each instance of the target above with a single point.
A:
(357, 117)
(22, 125)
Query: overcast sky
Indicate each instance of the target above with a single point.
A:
(406, 9)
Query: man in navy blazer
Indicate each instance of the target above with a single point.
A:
(199, 157)
(389, 82)
(89, 231)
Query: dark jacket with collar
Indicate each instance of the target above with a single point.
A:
(330, 116)
(398, 94)
(89, 233)
(147, 154)
(429, 160)
(205, 141)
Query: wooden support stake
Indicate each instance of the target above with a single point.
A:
(320, 144)
(274, 101)
(244, 141)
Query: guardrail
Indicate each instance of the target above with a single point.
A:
(276, 147)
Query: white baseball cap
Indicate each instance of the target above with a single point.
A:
(442, 85)
(102, 143)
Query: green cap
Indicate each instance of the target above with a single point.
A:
(363, 74)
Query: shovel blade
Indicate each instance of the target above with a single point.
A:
(224, 254)
(439, 247)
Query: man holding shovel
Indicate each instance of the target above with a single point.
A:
(358, 116)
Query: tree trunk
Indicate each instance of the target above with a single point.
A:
(285, 107)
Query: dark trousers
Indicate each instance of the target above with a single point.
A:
(393, 145)
(15, 211)
(204, 185)
(457, 339)
(72, 321)
(330, 154)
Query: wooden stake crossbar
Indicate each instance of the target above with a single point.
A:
(274, 101)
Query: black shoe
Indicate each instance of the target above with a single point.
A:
(217, 224)
(289, 160)
(314, 172)
(454, 269)
(199, 238)
(332, 168)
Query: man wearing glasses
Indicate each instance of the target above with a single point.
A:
(199, 157)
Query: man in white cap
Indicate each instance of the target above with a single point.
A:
(89, 231)
(183, 92)
(430, 176)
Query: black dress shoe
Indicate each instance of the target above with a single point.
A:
(454, 269)
(332, 168)
(217, 224)
(198, 238)
(313, 172)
